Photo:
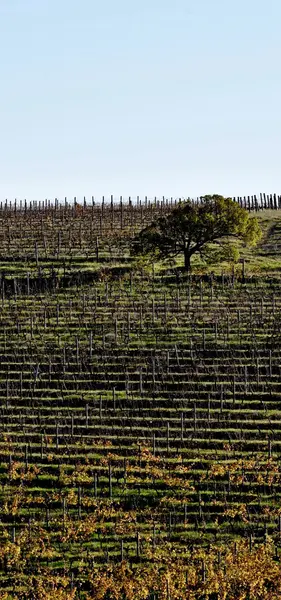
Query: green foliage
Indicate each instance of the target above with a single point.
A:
(191, 228)
(226, 251)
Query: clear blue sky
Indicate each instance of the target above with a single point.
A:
(156, 97)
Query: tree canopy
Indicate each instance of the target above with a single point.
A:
(191, 228)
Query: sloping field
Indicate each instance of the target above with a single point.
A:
(139, 409)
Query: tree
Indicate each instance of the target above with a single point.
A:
(203, 227)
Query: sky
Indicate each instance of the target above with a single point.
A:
(158, 98)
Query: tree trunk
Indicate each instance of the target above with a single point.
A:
(187, 256)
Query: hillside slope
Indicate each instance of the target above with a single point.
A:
(138, 407)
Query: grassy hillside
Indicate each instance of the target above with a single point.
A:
(139, 409)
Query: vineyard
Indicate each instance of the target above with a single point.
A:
(140, 412)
